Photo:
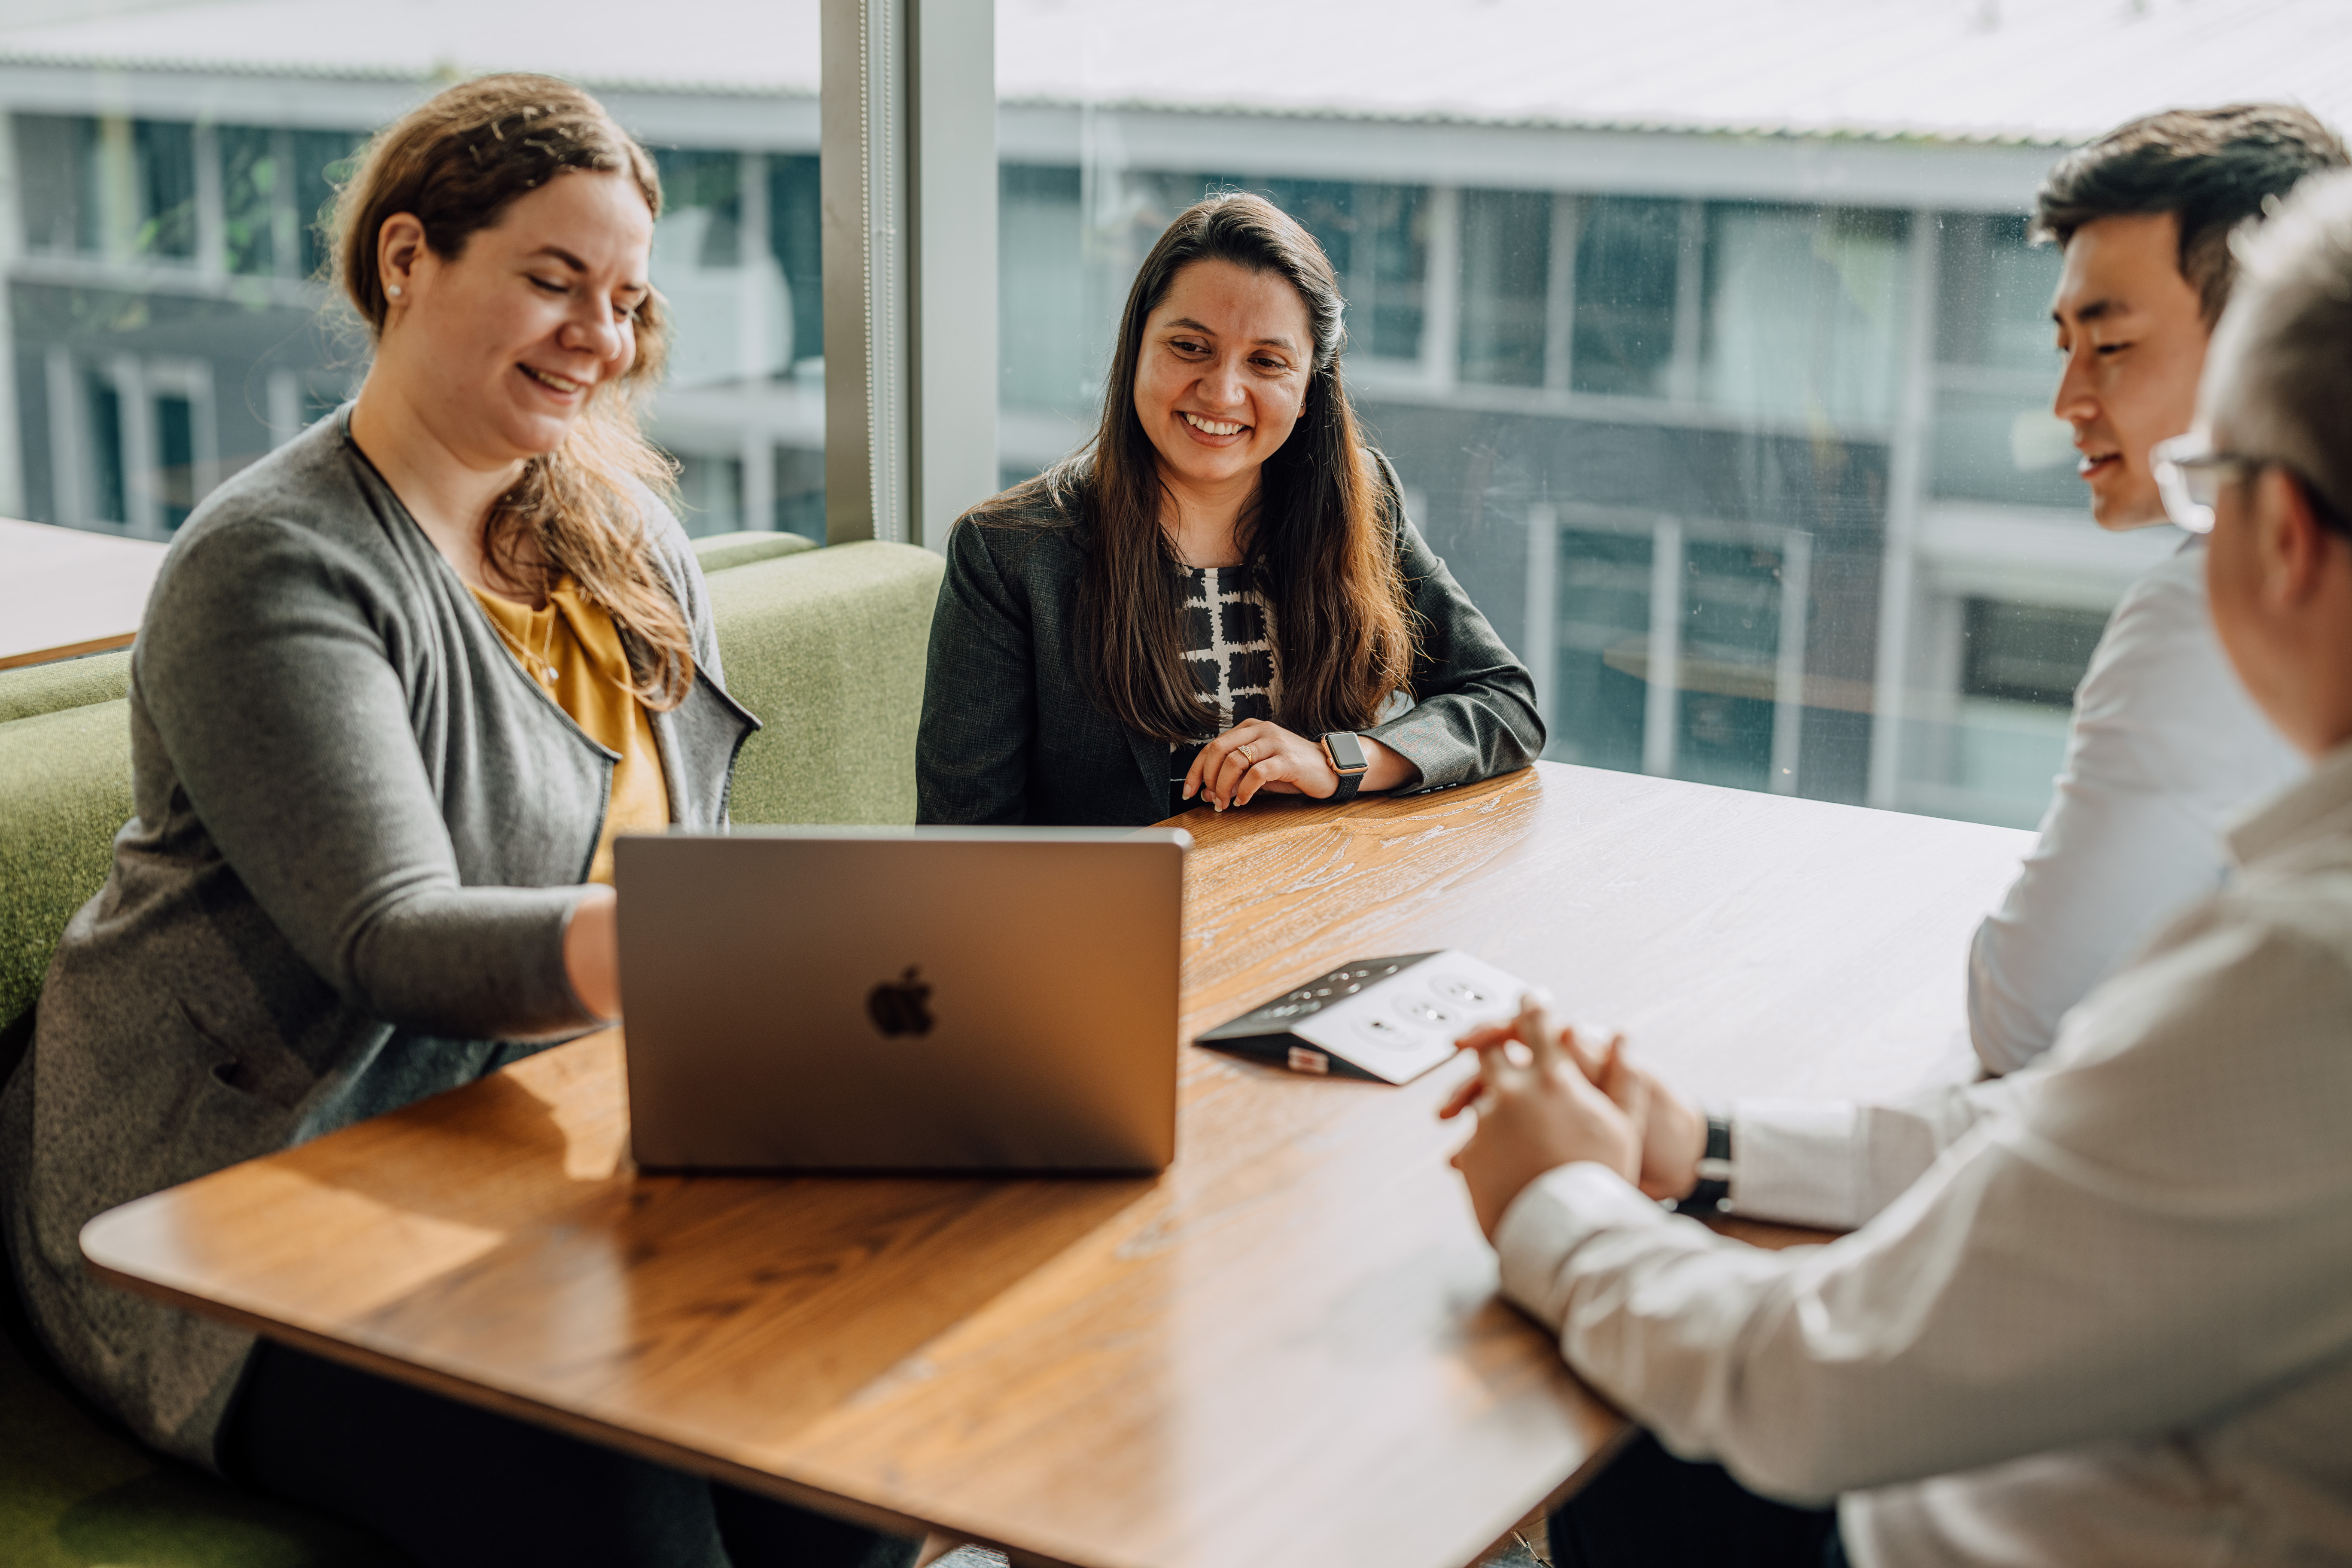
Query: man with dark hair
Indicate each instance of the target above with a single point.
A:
(2165, 749)
(2101, 1311)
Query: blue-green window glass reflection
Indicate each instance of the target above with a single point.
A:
(1628, 266)
(1506, 273)
(1601, 687)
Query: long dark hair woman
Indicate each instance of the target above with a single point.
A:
(1220, 595)
(399, 685)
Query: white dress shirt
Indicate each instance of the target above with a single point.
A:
(2165, 751)
(2100, 1312)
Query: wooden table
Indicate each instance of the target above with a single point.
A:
(64, 591)
(1286, 1351)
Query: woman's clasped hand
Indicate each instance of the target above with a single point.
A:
(1255, 755)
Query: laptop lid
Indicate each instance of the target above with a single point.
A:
(902, 999)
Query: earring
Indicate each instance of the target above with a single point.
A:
(393, 291)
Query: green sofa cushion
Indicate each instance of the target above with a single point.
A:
(102, 678)
(825, 646)
(68, 683)
(75, 1492)
(724, 551)
(65, 791)
(828, 648)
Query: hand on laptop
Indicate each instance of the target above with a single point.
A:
(1568, 1103)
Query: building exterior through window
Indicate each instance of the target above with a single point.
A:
(1730, 409)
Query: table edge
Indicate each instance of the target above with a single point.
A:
(628, 1440)
(107, 644)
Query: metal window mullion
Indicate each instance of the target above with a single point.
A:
(212, 202)
(909, 159)
(1906, 485)
(1540, 641)
(1441, 314)
(955, 363)
(1662, 706)
(754, 266)
(1683, 369)
(285, 211)
(203, 431)
(1789, 665)
(12, 233)
(142, 508)
(1560, 291)
(283, 393)
(883, 69)
(72, 471)
(862, 142)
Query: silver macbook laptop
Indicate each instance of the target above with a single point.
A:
(902, 999)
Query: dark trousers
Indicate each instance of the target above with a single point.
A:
(454, 1485)
(1650, 1509)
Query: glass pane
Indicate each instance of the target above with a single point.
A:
(250, 170)
(1506, 274)
(1996, 438)
(171, 319)
(1803, 312)
(1629, 255)
(322, 160)
(1389, 272)
(1601, 685)
(795, 239)
(1678, 407)
(1730, 652)
(737, 259)
(1995, 291)
(2028, 653)
(2003, 446)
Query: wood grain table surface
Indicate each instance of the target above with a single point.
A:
(67, 591)
(1287, 1350)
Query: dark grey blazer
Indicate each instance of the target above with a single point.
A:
(360, 833)
(1011, 734)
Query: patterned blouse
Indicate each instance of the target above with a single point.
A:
(1229, 644)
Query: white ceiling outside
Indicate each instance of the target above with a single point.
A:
(2043, 71)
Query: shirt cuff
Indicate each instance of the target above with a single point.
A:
(1795, 1161)
(1422, 739)
(1554, 1215)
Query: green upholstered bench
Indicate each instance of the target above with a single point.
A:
(825, 646)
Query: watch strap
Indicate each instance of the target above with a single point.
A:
(1713, 1194)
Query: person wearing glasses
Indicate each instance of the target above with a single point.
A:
(1221, 594)
(398, 686)
(2099, 1310)
(2163, 748)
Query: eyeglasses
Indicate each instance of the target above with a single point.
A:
(2189, 477)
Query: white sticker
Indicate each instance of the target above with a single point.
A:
(1304, 1060)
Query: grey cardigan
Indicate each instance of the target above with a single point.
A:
(1011, 734)
(359, 835)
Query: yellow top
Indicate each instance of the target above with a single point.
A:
(571, 647)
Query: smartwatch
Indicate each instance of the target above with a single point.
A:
(1713, 1194)
(1348, 760)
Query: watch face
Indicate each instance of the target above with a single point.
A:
(1347, 751)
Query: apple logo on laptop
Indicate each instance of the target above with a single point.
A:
(901, 1007)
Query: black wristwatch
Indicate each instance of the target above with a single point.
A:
(1713, 1194)
(1348, 760)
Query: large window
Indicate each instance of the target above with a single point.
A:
(736, 257)
(1742, 441)
(1733, 414)
(168, 318)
